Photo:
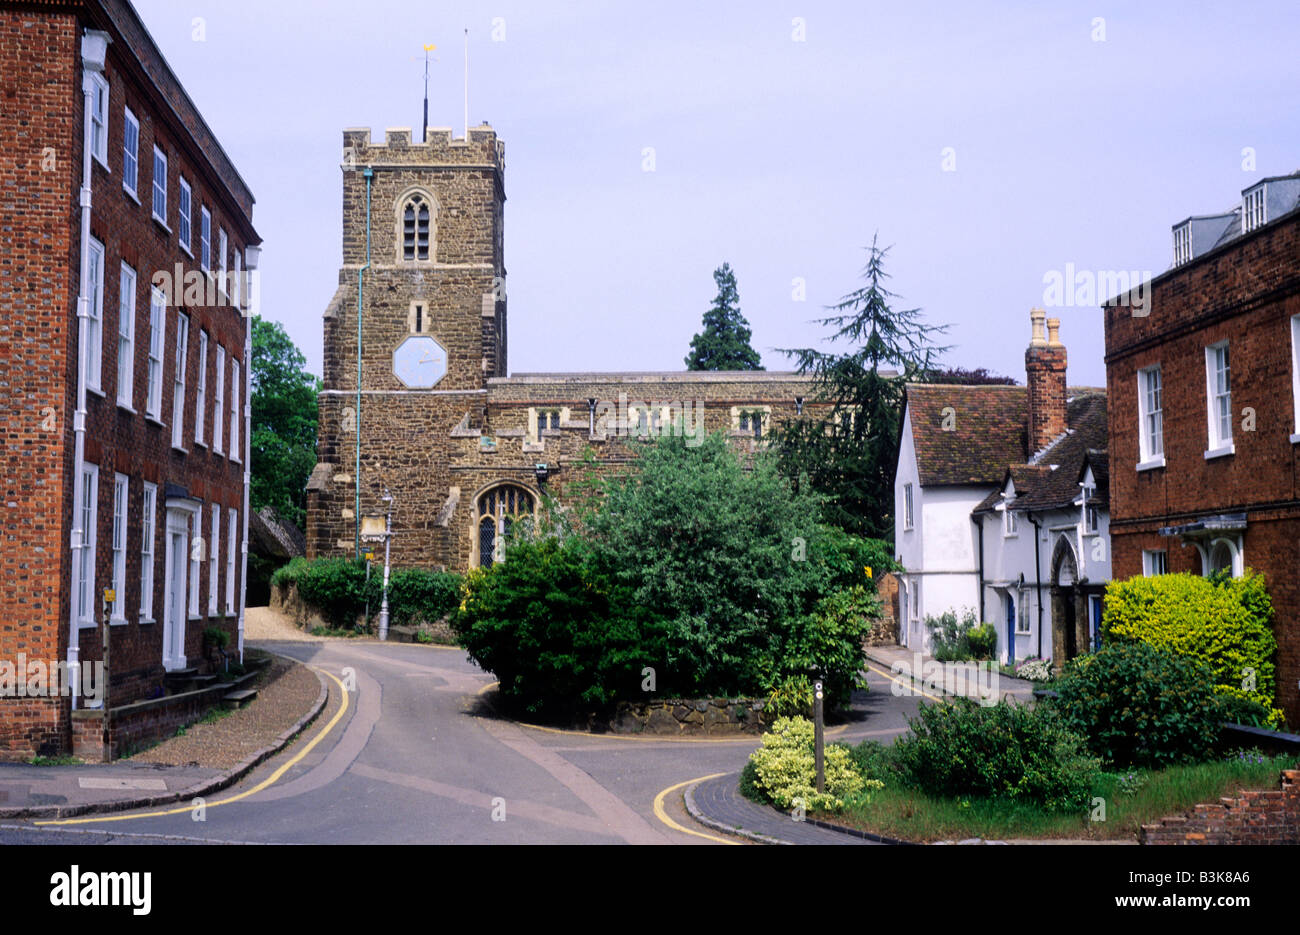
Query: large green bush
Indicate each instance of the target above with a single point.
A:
(1225, 623)
(961, 749)
(557, 635)
(716, 574)
(1136, 705)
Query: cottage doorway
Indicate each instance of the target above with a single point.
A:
(175, 601)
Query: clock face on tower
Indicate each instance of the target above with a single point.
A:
(419, 362)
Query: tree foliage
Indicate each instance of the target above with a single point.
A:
(849, 455)
(724, 342)
(284, 414)
(960, 376)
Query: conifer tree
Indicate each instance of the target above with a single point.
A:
(850, 454)
(724, 343)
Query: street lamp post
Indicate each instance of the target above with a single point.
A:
(388, 537)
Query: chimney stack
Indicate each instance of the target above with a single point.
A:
(1045, 377)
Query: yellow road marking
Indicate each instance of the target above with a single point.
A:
(270, 780)
(663, 815)
(910, 688)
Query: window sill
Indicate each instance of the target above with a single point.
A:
(161, 223)
(155, 420)
(97, 391)
(195, 618)
(103, 162)
(126, 407)
(199, 444)
(131, 194)
(146, 620)
(186, 247)
(183, 451)
(1295, 439)
(117, 622)
(1151, 465)
(1228, 449)
(86, 624)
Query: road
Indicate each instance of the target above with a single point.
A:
(415, 755)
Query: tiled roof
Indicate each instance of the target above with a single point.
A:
(1052, 481)
(986, 432)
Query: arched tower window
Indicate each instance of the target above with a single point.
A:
(496, 513)
(415, 228)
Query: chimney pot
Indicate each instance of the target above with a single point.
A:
(1036, 316)
(1054, 332)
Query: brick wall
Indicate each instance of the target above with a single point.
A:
(40, 117)
(1254, 817)
(1245, 294)
(40, 178)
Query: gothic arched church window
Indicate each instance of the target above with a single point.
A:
(498, 510)
(415, 228)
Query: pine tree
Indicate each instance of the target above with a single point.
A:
(724, 343)
(850, 454)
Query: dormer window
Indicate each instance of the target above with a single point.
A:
(1252, 209)
(415, 228)
(1182, 243)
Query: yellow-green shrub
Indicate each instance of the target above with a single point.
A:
(785, 768)
(1226, 624)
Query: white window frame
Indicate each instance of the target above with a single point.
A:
(157, 340)
(121, 506)
(1148, 455)
(159, 186)
(214, 560)
(236, 285)
(1091, 519)
(178, 380)
(1218, 400)
(201, 390)
(130, 153)
(85, 595)
(1182, 243)
(1022, 612)
(219, 403)
(908, 514)
(205, 239)
(232, 539)
(1154, 562)
(148, 532)
(234, 409)
(1295, 377)
(1253, 209)
(915, 590)
(127, 284)
(99, 119)
(223, 246)
(95, 324)
(185, 216)
(1010, 525)
(196, 561)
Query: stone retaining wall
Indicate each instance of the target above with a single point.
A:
(1253, 817)
(686, 716)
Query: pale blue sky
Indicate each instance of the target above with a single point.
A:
(781, 157)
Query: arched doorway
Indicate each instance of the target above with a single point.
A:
(495, 513)
(1069, 625)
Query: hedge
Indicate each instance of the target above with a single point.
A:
(1224, 623)
(337, 587)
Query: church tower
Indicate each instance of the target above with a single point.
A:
(421, 304)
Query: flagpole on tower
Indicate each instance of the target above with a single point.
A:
(424, 135)
(467, 85)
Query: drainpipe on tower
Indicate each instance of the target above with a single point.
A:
(369, 173)
(94, 51)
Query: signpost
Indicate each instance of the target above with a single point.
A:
(818, 736)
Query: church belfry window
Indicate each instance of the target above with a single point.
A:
(415, 228)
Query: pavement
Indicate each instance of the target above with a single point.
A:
(412, 753)
(934, 678)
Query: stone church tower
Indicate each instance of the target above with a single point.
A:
(466, 451)
(423, 270)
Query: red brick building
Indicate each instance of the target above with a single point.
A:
(124, 348)
(1203, 379)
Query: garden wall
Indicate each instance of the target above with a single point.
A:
(1254, 817)
(686, 716)
(885, 630)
